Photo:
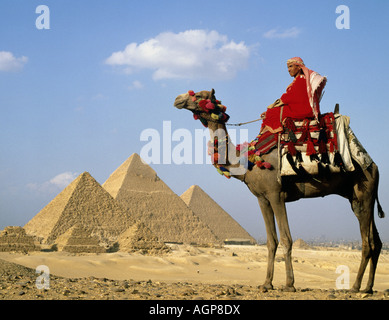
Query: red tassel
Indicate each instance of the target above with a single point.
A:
(264, 165)
(322, 122)
(310, 148)
(305, 135)
(291, 148)
(332, 147)
(289, 123)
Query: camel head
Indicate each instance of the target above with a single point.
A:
(203, 105)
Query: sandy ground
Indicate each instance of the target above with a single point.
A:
(186, 273)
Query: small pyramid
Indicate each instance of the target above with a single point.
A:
(301, 244)
(81, 240)
(16, 239)
(83, 203)
(139, 238)
(137, 187)
(219, 221)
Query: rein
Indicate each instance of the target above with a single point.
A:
(216, 111)
(242, 123)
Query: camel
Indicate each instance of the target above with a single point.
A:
(360, 187)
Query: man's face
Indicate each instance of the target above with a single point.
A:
(293, 69)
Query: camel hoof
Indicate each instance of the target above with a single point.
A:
(289, 289)
(354, 290)
(265, 288)
(367, 290)
(262, 289)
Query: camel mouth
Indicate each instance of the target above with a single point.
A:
(181, 102)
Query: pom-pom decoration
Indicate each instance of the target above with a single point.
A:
(210, 106)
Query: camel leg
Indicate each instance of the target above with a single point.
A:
(272, 241)
(376, 246)
(371, 243)
(362, 203)
(366, 253)
(279, 209)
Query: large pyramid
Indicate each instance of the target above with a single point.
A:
(82, 203)
(136, 186)
(220, 222)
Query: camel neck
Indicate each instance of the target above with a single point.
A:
(228, 157)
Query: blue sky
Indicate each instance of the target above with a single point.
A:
(69, 104)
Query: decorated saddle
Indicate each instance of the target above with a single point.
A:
(315, 147)
(305, 146)
(311, 146)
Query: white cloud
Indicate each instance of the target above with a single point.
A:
(282, 34)
(135, 85)
(8, 62)
(59, 182)
(185, 55)
(63, 179)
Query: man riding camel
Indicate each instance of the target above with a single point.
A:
(301, 99)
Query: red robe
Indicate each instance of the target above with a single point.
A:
(296, 105)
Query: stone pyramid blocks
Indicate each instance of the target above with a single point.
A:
(80, 239)
(137, 187)
(134, 210)
(219, 221)
(139, 238)
(16, 239)
(84, 202)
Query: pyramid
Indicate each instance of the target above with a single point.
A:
(16, 239)
(220, 222)
(80, 240)
(139, 238)
(83, 203)
(137, 187)
(301, 244)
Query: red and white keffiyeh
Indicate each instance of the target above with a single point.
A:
(315, 85)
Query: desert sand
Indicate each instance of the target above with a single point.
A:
(185, 273)
(119, 241)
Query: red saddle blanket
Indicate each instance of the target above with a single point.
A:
(310, 136)
(300, 139)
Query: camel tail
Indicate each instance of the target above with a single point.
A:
(381, 212)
